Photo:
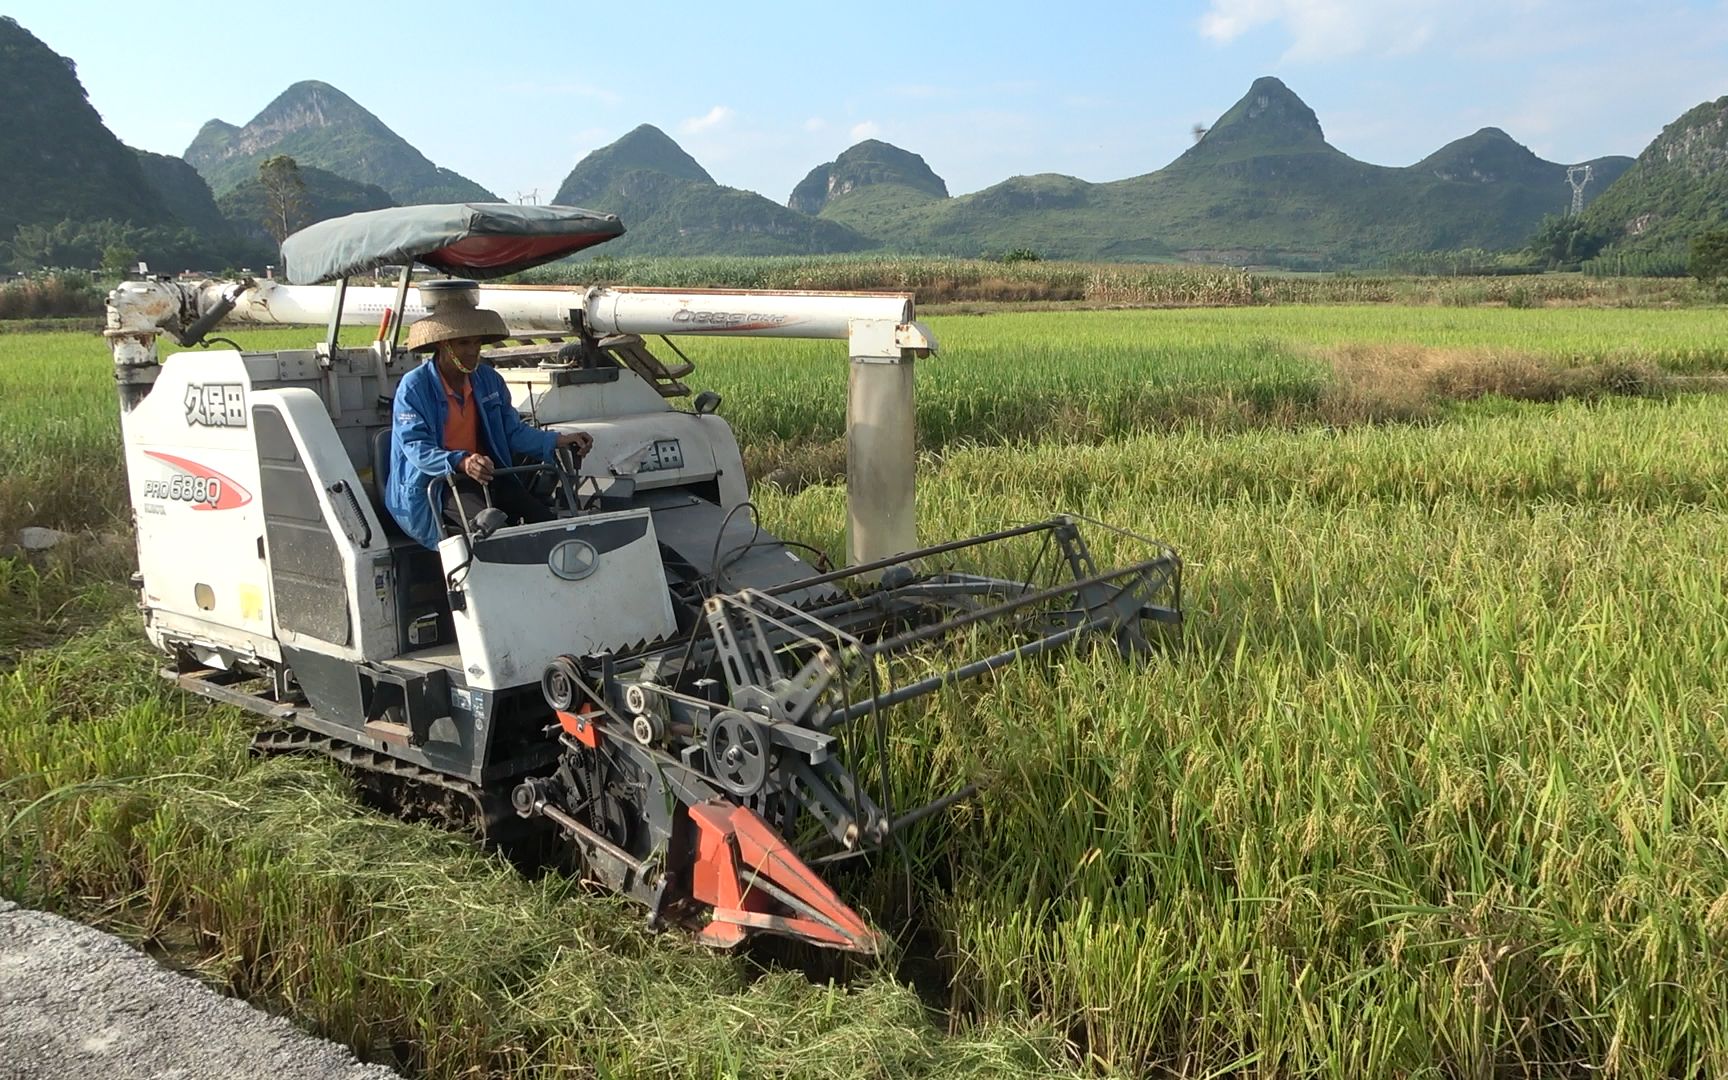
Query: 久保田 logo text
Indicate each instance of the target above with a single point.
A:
(215, 405)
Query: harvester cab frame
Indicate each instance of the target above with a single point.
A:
(653, 679)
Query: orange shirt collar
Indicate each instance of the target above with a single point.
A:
(450, 391)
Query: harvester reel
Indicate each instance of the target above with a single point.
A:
(737, 753)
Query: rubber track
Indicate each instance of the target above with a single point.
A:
(302, 741)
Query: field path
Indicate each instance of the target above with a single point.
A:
(76, 1003)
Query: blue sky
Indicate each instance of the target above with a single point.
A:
(512, 94)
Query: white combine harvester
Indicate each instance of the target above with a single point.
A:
(651, 678)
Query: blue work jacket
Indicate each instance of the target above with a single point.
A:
(417, 454)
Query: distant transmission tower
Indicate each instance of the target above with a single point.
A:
(1579, 176)
(531, 198)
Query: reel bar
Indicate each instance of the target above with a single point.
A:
(965, 671)
(921, 553)
(893, 645)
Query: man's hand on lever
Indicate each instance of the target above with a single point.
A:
(477, 467)
(581, 440)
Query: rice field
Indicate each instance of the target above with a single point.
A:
(1434, 785)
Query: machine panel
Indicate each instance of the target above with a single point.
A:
(193, 473)
(534, 592)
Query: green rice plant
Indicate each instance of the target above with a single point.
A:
(124, 803)
(1430, 787)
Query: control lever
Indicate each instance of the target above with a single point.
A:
(569, 460)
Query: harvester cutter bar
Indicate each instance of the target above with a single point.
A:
(848, 621)
(756, 635)
(1112, 601)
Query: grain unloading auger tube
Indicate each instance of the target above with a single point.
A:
(705, 716)
(709, 774)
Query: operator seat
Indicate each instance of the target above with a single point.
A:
(422, 602)
(399, 540)
(380, 484)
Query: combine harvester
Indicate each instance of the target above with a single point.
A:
(653, 680)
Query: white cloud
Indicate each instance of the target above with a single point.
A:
(1328, 29)
(815, 123)
(1504, 30)
(713, 118)
(869, 129)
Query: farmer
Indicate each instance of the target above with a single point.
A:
(453, 415)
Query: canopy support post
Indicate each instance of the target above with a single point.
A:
(881, 452)
(335, 327)
(400, 305)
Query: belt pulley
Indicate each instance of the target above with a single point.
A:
(737, 748)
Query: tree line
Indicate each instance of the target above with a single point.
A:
(116, 247)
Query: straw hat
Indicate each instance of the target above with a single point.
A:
(456, 321)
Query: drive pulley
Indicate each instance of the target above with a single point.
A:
(737, 748)
(559, 683)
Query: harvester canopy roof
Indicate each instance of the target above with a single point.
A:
(473, 240)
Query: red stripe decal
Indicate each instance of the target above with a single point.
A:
(228, 493)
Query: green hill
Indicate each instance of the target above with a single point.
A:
(646, 149)
(327, 195)
(60, 161)
(183, 192)
(869, 163)
(1508, 188)
(1677, 189)
(318, 125)
(1268, 122)
(673, 207)
(1261, 186)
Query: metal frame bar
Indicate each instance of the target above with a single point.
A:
(896, 644)
(400, 302)
(333, 332)
(204, 682)
(908, 556)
